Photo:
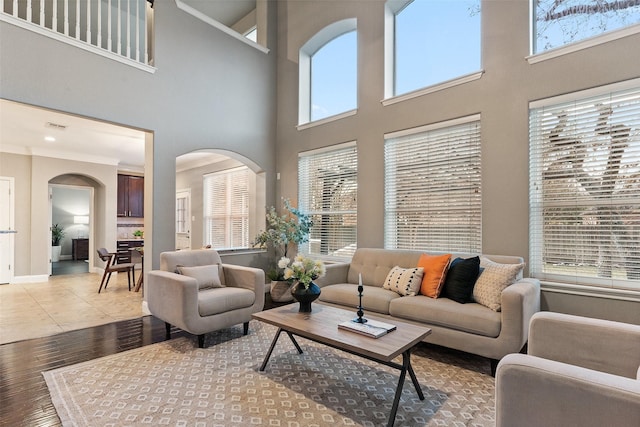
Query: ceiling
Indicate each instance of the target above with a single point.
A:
(227, 12)
(25, 129)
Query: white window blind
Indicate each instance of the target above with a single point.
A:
(433, 198)
(226, 209)
(328, 190)
(585, 188)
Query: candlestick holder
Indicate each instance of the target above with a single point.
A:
(360, 312)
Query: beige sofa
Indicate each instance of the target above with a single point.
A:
(469, 327)
(578, 372)
(192, 302)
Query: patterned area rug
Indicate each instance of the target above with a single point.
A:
(175, 383)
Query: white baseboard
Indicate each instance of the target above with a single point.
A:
(30, 279)
(145, 308)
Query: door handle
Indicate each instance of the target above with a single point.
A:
(8, 231)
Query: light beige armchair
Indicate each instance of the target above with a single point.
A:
(207, 295)
(578, 372)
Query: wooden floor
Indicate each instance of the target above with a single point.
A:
(24, 397)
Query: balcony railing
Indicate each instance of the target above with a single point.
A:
(121, 29)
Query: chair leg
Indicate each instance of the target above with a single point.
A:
(201, 340)
(167, 329)
(245, 326)
(129, 279)
(102, 282)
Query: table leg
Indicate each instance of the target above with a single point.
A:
(293, 340)
(406, 366)
(416, 384)
(273, 344)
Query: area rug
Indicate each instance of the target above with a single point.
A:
(176, 383)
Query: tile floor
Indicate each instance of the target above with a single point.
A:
(64, 303)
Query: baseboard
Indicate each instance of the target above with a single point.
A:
(30, 279)
(145, 308)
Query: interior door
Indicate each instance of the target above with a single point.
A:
(7, 230)
(183, 219)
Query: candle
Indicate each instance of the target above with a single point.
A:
(360, 279)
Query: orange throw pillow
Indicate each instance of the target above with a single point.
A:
(435, 270)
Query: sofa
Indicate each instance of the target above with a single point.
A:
(196, 292)
(470, 326)
(578, 372)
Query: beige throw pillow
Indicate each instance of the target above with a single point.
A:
(404, 281)
(493, 280)
(207, 276)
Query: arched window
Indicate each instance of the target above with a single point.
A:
(329, 72)
(430, 42)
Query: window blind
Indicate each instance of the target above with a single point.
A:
(327, 190)
(433, 198)
(226, 209)
(585, 188)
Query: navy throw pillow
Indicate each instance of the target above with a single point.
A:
(461, 278)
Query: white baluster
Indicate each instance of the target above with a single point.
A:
(99, 37)
(128, 28)
(29, 11)
(77, 19)
(109, 27)
(138, 30)
(41, 13)
(147, 6)
(54, 16)
(66, 17)
(119, 28)
(15, 8)
(89, 21)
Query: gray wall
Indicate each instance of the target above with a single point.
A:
(209, 91)
(501, 96)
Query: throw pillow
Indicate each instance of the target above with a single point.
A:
(493, 280)
(461, 277)
(207, 276)
(435, 271)
(404, 281)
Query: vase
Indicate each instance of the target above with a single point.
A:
(305, 296)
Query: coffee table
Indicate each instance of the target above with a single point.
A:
(321, 326)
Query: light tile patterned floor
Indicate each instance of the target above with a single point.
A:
(64, 303)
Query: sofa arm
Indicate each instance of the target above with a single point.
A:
(169, 295)
(531, 391)
(602, 345)
(520, 302)
(336, 273)
(244, 277)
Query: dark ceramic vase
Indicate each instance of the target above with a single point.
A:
(305, 296)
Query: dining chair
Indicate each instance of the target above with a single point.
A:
(110, 266)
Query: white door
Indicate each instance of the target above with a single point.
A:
(7, 230)
(183, 219)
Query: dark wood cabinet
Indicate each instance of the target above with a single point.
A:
(124, 250)
(80, 249)
(131, 196)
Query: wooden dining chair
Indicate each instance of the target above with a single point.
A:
(110, 266)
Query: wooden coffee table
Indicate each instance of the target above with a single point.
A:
(321, 326)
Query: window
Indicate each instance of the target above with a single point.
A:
(226, 209)
(433, 187)
(560, 22)
(585, 187)
(329, 72)
(328, 190)
(430, 42)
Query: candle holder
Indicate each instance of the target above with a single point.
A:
(360, 312)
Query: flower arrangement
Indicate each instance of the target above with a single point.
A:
(302, 269)
(283, 230)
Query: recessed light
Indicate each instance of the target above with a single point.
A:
(49, 138)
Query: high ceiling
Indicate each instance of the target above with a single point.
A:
(227, 12)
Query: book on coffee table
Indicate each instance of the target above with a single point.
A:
(373, 328)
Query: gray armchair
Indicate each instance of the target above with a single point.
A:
(207, 296)
(578, 372)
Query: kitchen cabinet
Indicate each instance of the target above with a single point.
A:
(123, 252)
(131, 196)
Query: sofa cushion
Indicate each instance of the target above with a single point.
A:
(493, 280)
(435, 271)
(220, 300)
(373, 298)
(404, 281)
(472, 318)
(462, 275)
(207, 276)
